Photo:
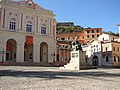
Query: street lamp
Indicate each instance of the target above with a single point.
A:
(53, 55)
(3, 52)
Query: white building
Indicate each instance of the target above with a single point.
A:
(104, 51)
(108, 37)
(94, 52)
(107, 53)
(27, 32)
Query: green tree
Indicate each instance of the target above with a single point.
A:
(69, 29)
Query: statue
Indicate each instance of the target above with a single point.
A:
(77, 57)
(76, 46)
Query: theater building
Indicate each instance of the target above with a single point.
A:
(27, 32)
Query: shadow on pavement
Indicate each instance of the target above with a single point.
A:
(57, 74)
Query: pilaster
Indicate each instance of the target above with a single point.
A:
(20, 52)
(36, 53)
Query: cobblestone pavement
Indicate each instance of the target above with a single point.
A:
(51, 78)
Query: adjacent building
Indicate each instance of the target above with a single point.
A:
(84, 36)
(104, 51)
(71, 36)
(111, 53)
(91, 34)
(108, 37)
(63, 52)
(27, 32)
(65, 24)
(94, 52)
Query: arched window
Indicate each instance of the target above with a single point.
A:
(12, 24)
(43, 29)
(107, 59)
(29, 27)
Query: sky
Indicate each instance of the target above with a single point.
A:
(103, 14)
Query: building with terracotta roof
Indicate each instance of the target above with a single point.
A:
(84, 36)
(104, 51)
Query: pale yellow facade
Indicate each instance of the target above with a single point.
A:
(20, 20)
(112, 51)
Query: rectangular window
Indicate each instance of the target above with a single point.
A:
(92, 36)
(118, 59)
(73, 37)
(88, 36)
(28, 28)
(43, 30)
(117, 48)
(87, 31)
(82, 37)
(114, 48)
(92, 31)
(96, 45)
(97, 31)
(106, 49)
(114, 59)
(77, 37)
(107, 59)
(12, 25)
(97, 35)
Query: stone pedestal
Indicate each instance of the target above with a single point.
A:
(77, 57)
(74, 63)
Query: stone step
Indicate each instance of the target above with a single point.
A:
(42, 64)
(70, 65)
(68, 68)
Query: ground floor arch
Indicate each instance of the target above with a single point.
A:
(44, 52)
(95, 60)
(23, 48)
(28, 52)
(11, 50)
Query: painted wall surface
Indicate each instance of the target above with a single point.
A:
(23, 13)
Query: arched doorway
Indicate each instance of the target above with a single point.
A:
(28, 52)
(95, 61)
(11, 49)
(43, 52)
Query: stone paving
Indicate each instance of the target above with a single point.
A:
(52, 78)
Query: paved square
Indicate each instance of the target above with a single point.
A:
(51, 78)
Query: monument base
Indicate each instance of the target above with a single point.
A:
(74, 63)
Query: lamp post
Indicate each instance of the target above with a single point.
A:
(53, 56)
(3, 52)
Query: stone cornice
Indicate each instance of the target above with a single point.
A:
(24, 9)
